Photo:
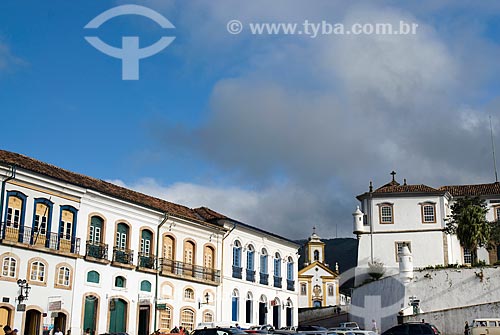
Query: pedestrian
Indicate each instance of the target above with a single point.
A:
(58, 332)
(181, 330)
(423, 321)
(87, 331)
(238, 326)
(14, 332)
(466, 328)
(374, 326)
(7, 330)
(175, 330)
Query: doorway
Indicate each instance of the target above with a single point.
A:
(60, 322)
(32, 322)
(144, 316)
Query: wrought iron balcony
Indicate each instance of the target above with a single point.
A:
(263, 278)
(237, 272)
(277, 282)
(290, 285)
(189, 271)
(251, 275)
(124, 256)
(41, 238)
(146, 261)
(97, 250)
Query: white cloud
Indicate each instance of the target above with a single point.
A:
(283, 209)
(327, 115)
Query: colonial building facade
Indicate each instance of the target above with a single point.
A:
(318, 284)
(83, 254)
(395, 215)
(259, 275)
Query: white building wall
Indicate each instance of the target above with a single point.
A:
(268, 293)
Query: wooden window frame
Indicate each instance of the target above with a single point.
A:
(382, 205)
(422, 214)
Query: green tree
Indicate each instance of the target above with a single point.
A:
(468, 222)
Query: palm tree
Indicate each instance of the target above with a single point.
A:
(468, 222)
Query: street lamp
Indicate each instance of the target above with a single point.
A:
(24, 289)
(207, 298)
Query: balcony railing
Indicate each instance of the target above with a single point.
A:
(263, 278)
(146, 261)
(277, 282)
(251, 275)
(97, 250)
(124, 256)
(290, 285)
(186, 270)
(237, 272)
(29, 236)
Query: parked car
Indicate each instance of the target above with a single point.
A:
(413, 328)
(219, 331)
(302, 328)
(486, 326)
(349, 325)
(262, 329)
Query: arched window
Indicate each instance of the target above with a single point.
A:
(263, 261)
(187, 319)
(237, 260)
(316, 255)
(145, 286)
(249, 308)
(41, 221)
(67, 228)
(208, 317)
(189, 252)
(166, 318)
(208, 257)
(289, 269)
(250, 258)
(146, 238)
(14, 217)
(237, 254)
(303, 289)
(64, 276)
(95, 231)
(120, 281)
(235, 300)
(37, 272)
(169, 247)
(93, 277)
(9, 267)
(331, 291)
(122, 232)
(189, 294)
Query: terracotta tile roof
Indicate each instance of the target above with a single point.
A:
(406, 189)
(472, 190)
(98, 185)
(209, 214)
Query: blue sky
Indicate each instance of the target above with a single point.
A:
(278, 131)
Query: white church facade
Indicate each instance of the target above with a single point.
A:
(397, 215)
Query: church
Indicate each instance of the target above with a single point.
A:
(318, 284)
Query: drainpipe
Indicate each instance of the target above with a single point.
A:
(222, 266)
(165, 218)
(2, 197)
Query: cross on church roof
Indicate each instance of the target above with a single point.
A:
(393, 175)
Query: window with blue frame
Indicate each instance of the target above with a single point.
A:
(277, 265)
(250, 258)
(235, 299)
(42, 221)
(289, 269)
(16, 205)
(263, 261)
(237, 254)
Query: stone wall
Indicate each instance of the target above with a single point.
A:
(451, 321)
